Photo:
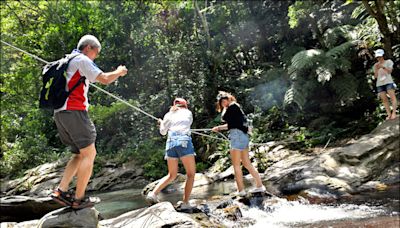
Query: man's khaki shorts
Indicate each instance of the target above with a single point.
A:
(75, 129)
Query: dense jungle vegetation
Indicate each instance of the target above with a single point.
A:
(300, 69)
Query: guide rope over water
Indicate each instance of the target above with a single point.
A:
(194, 131)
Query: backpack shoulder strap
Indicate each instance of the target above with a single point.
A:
(82, 79)
(69, 57)
(77, 84)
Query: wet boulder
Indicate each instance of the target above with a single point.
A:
(22, 208)
(233, 213)
(42, 180)
(159, 215)
(27, 224)
(67, 217)
(352, 168)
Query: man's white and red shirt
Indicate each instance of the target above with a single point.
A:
(80, 66)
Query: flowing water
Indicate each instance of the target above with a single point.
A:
(376, 209)
(118, 202)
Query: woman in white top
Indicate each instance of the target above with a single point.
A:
(179, 145)
(384, 82)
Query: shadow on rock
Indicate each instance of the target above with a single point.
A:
(23, 208)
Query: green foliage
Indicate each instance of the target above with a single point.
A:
(287, 62)
(31, 147)
(201, 167)
(369, 31)
(304, 60)
(331, 68)
(267, 125)
(297, 11)
(345, 87)
(156, 167)
(149, 154)
(296, 94)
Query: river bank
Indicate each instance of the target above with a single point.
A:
(371, 209)
(331, 179)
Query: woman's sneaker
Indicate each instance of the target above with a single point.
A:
(259, 189)
(240, 194)
(152, 198)
(61, 197)
(182, 205)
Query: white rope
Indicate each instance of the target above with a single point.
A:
(209, 129)
(125, 102)
(202, 129)
(34, 56)
(213, 137)
(194, 131)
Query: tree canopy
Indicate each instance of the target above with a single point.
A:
(301, 69)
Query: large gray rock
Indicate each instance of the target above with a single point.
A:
(42, 180)
(22, 208)
(27, 224)
(108, 178)
(159, 215)
(364, 164)
(66, 217)
(39, 181)
(63, 217)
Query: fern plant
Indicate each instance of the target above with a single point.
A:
(317, 69)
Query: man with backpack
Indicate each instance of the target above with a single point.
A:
(73, 123)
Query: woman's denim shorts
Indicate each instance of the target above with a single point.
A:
(178, 145)
(238, 139)
(385, 88)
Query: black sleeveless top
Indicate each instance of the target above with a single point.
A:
(235, 118)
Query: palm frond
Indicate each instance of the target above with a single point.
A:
(360, 12)
(345, 86)
(342, 50)
(293, 95)
(334, 36)
(343, 64)
(304, 60)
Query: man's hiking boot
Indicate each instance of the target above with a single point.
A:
(61, 197)
(84, 203)
(152, 198)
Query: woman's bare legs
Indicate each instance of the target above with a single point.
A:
(247, 164)
(172, 172)
(393, 99)
(385, 102)
(190, 167)
(236, 163)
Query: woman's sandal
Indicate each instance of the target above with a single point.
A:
(61, 197)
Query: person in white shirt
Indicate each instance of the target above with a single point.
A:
(179, 145)
(384, 82)
(73, 122)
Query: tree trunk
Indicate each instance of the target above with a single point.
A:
(377, 12)
(210, 79)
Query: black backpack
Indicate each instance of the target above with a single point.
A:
(53, 94)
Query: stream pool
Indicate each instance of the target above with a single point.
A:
(374, 209)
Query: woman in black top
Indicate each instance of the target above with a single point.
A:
(236, 123)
